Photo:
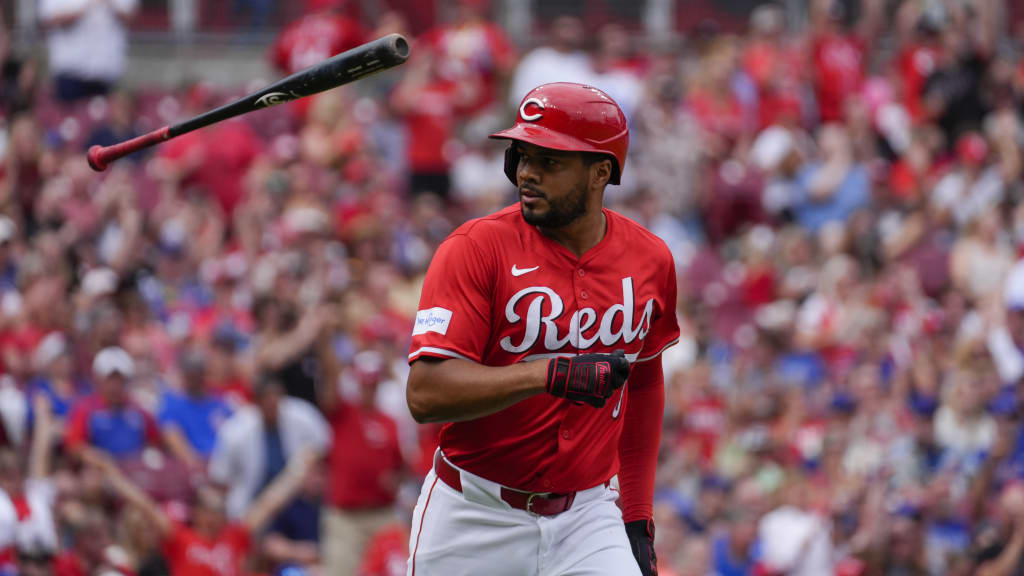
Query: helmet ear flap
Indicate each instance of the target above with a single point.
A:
(512, 164)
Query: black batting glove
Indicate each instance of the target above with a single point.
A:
(640, 534)
(589, 378)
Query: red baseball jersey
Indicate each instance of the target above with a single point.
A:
(189, 554)
(500, 292)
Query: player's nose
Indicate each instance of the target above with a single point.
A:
(527, 172)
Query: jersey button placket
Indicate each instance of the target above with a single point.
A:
(583, 293)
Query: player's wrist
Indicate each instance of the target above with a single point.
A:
(537, 376)
(557, 376)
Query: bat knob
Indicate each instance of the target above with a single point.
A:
(95, 161)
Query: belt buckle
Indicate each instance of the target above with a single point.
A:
(529, 500)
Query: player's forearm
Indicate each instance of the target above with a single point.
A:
(454, 390)
(641, 437)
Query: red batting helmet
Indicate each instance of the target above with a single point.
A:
(570, 117)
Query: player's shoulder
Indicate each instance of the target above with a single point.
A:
(637, 236)
(502, 224)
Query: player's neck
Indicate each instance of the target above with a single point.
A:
(581, 235)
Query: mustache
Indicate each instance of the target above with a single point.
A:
(533, 191)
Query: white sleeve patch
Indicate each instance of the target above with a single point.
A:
(432, 320)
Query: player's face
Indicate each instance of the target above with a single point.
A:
(552, 185)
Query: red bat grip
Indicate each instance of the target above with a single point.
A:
(101, 156)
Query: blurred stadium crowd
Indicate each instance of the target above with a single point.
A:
(203, 349)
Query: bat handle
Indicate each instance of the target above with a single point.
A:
(101, 156)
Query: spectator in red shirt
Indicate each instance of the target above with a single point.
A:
(315, 37)
(430, 103)
(713, 101)
(365, 465)
(212, 546)
(214, 160)
(918, 58)
(323, 32)
(387, 554)
(773, 66)
(222, 369)
(838, 55)
(474, 49)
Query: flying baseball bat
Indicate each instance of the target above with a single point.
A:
(372, 57)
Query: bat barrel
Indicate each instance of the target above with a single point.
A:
(376, 56)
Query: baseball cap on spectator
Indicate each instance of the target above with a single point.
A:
(922, 405)
(368, 366)
(99, 282)
(111, 360)
(776, 316)
(843, 403)
(172, 237)
(53, 346)
(771, 147)
(306, 220)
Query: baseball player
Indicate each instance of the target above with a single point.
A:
(529, 323)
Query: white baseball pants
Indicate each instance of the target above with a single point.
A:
(475, 533)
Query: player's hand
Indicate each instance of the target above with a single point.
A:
(640, 534)
(589, 378)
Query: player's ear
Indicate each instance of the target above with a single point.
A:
(601, 172)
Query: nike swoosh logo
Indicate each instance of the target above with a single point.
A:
(618, 405)
(520, 271)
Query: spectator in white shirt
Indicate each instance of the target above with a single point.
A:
(962, 426)
(87, 43)
(27, 500)
(255, 444)
(562, 60)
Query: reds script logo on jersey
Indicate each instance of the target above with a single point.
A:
(499, 292)
(578, 336)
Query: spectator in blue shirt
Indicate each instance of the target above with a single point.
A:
(835, 188)
(734, 548)
(53, 367)
(189, 419)
(108, 420)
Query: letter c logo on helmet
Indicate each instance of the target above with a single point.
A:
(569, 117)
(531, 117)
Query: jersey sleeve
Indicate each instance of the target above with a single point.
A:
(454, 316)
(664, 326)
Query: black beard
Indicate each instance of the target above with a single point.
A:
(561, 212)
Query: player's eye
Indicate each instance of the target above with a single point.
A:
(550, 162)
